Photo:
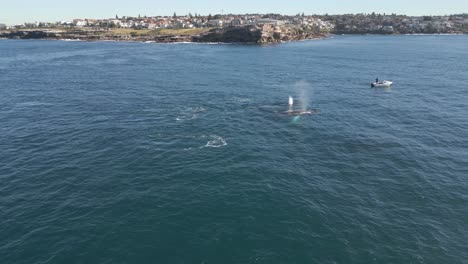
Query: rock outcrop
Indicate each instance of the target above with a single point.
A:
(248, 34)
(257, 34)
(36, 34)
(51, 34)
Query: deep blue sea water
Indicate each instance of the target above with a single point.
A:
(181, 153)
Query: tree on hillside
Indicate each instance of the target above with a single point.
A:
(190, 15)
(116, 16)
(210, 17)
(430, 29)
(175, 15)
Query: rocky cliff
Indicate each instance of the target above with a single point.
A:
(51, 34)
(257, 34)
(274, 34)
(231, 35)
(248, 34)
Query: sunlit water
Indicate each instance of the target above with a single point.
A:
(150, 153)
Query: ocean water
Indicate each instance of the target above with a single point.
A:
(182, 153)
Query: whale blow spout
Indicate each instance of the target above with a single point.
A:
(291, 101)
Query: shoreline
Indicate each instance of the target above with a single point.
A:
(136, 40)
(236, 35)
(171, 43)
(175, 43)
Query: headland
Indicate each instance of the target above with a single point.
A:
(248, 29)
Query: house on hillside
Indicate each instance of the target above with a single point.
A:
(163, 23)
(215, 23)
(115, 22)
(236, 22)
(80, 22)
(268, 21)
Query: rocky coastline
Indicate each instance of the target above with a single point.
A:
(249, 34)
(244, 35)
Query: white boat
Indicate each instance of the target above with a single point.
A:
(382, 84)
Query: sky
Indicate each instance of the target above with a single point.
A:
(20, 11)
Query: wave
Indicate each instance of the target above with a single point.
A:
(242, 100)
(195, 43)
(32, 103)
(215, 142)
(190, 113)
(71, 40)
(187, 142)
(434, 34)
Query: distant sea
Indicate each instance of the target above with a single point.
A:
(114, 152)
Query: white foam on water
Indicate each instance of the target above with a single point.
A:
(198, 43)
(215, 142)
(296, 119)
(241, 100)
(190, 113)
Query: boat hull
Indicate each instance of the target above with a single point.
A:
(382, 84)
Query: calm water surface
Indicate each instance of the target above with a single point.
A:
(181, 153)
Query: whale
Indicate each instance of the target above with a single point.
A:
(302, 112)
(293, 112)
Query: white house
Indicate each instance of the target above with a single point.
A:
(80, 23)
(269, 21)
(215, 23)
(236, 22)
(115, 22)
(126, 25)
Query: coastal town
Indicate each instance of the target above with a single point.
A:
(178, 22)
(254, 28)
(397, 24)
